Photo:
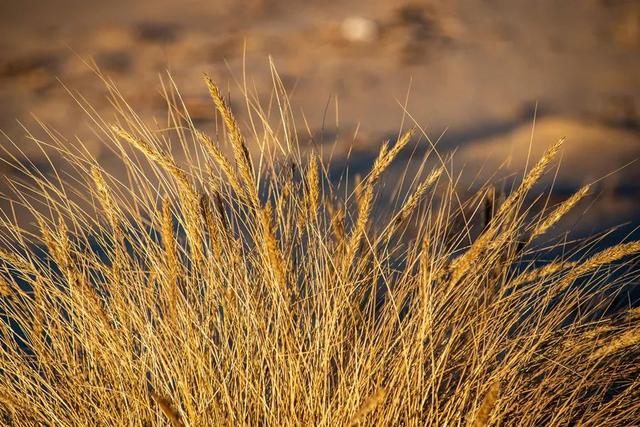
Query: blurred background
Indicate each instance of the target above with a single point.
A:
(470, 72)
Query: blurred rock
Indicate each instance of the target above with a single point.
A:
(20, 66)
(114, 60)
(357, 29)
(156, 32)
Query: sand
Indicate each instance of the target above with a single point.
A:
(470, 73)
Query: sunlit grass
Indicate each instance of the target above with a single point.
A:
(235, 289)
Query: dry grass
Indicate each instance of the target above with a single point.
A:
(206, 291)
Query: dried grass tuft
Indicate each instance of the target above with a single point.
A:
(271, 296)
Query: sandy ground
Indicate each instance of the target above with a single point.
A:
(474, 71)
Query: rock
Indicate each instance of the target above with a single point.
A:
(357, 29)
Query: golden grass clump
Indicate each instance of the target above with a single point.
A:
(200, 291)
